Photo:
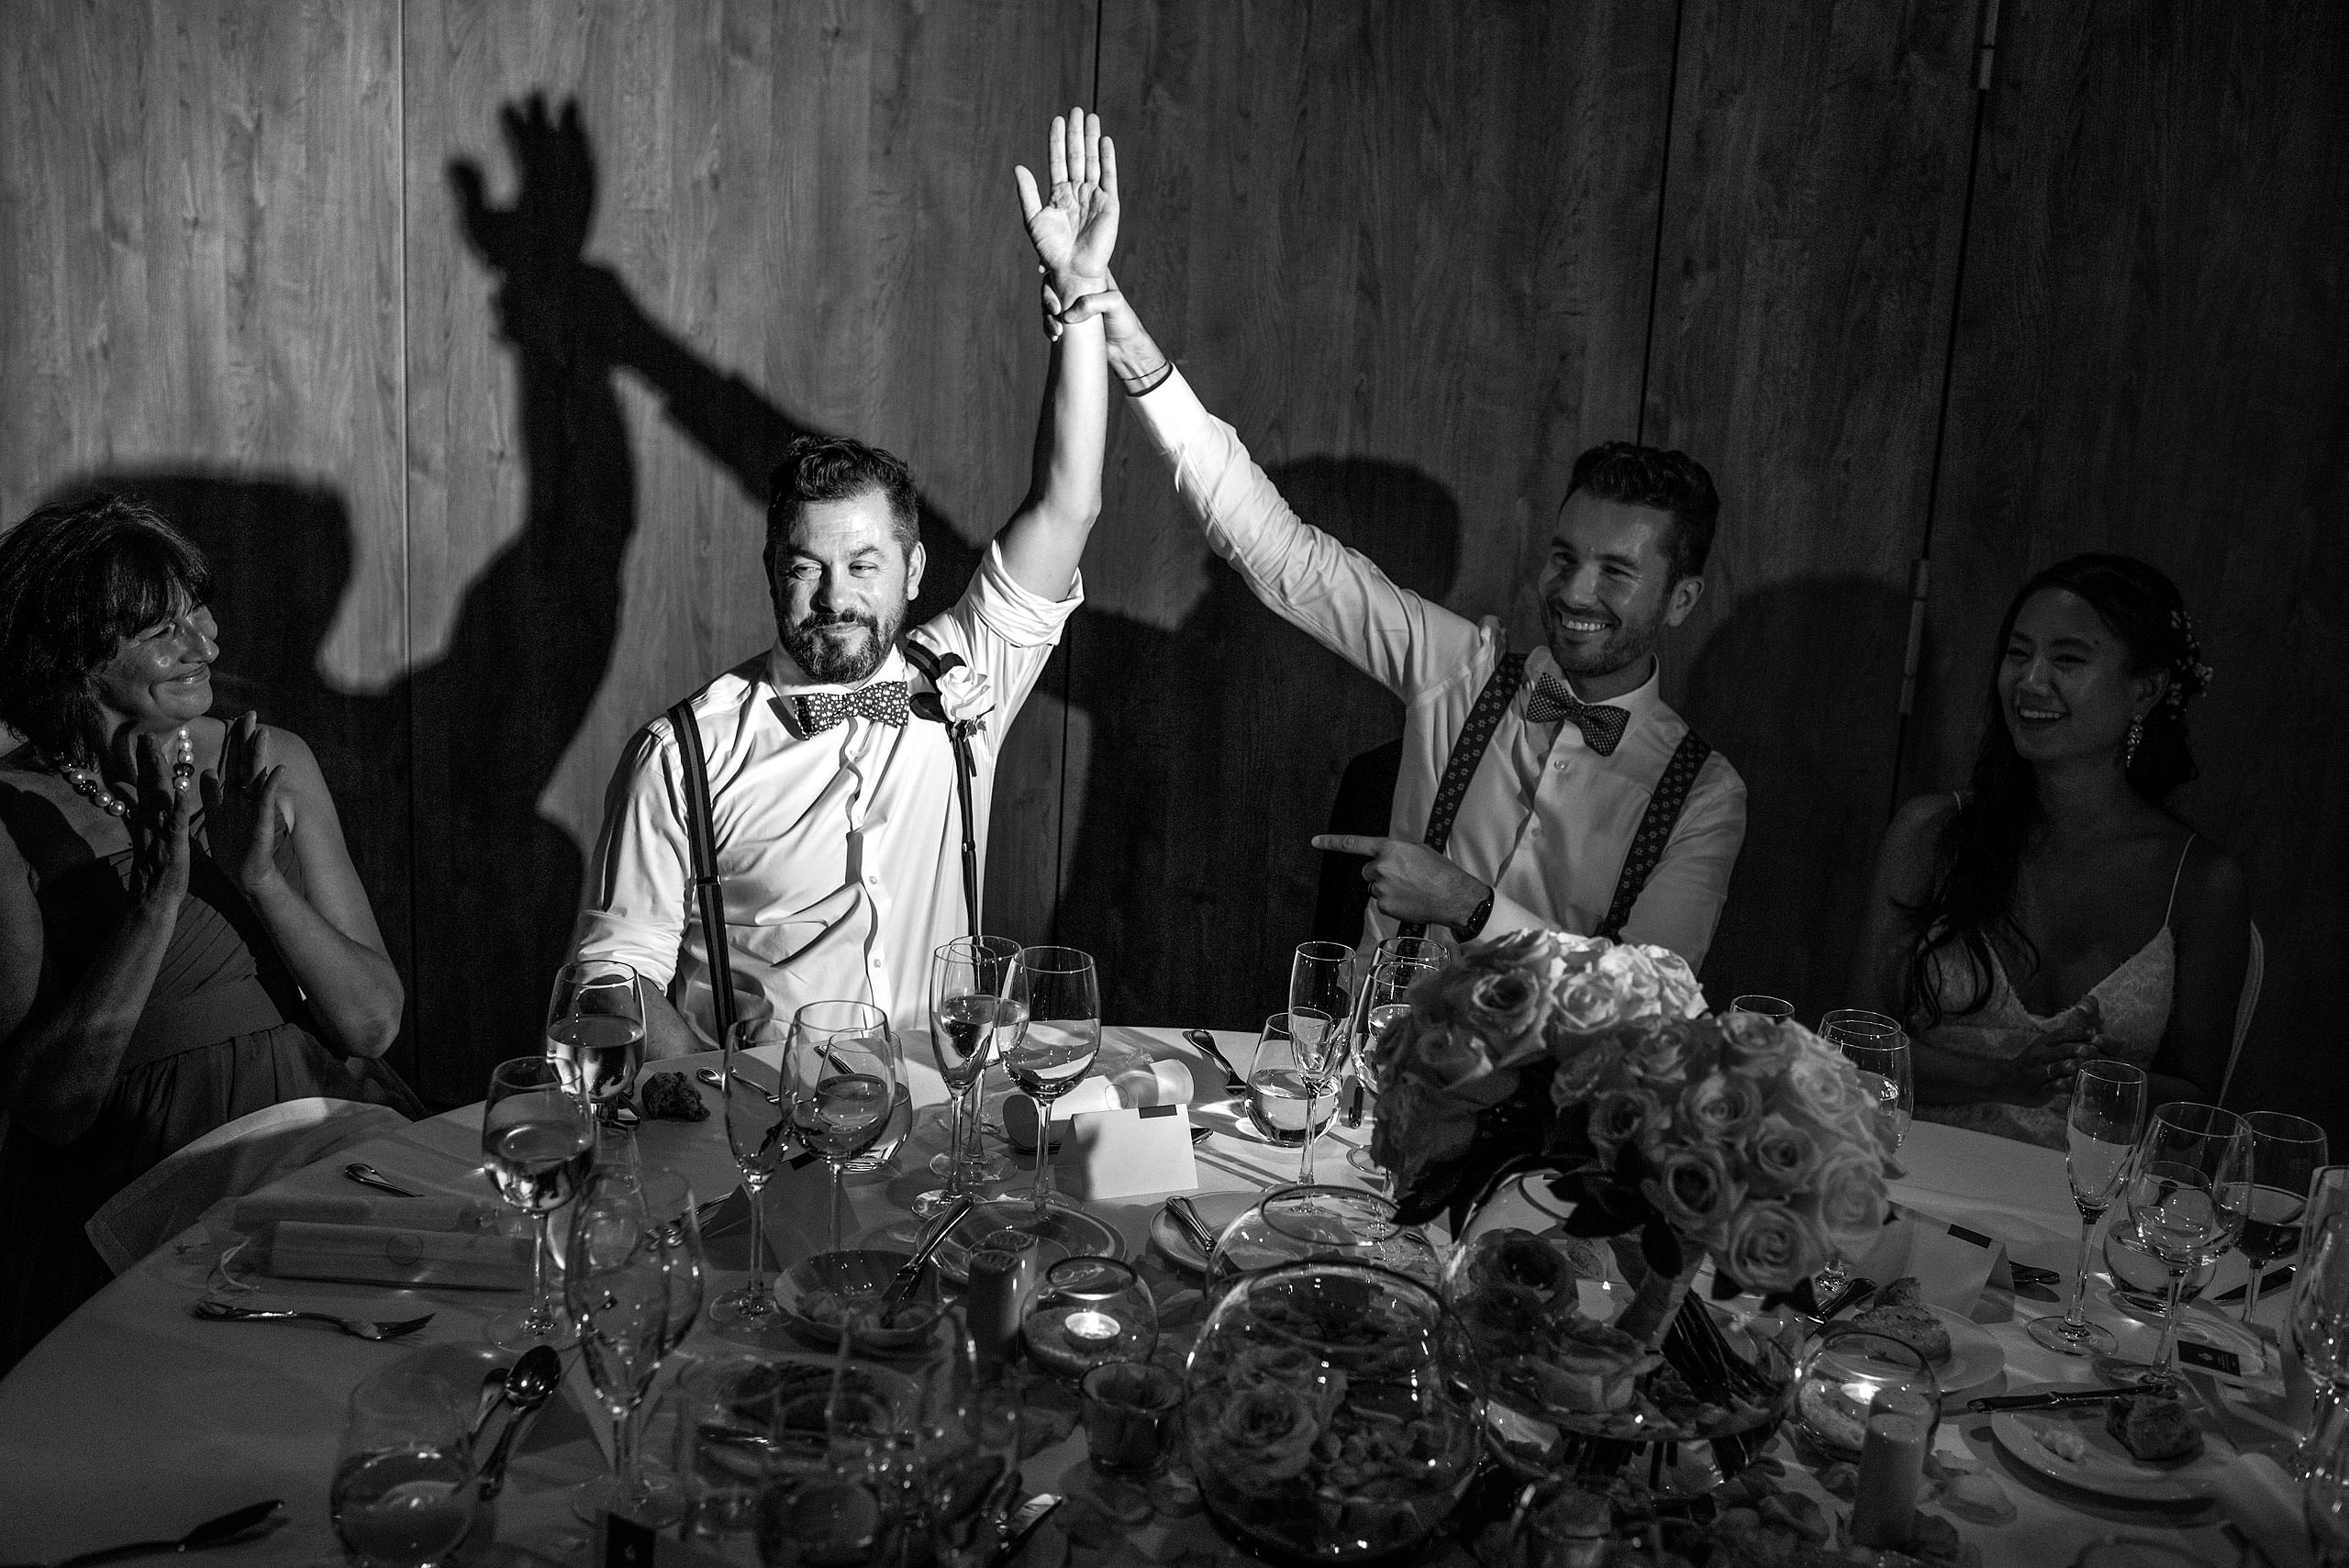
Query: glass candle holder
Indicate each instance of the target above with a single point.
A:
(1089, 1312)
(1843, 1379)
(1130, 1413)
(1317, 1224)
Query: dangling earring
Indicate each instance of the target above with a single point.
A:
(2136, 735)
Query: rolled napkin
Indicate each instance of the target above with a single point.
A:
(444, 1213)
(2263, 1502)
(366, 1254)
(1156, 1084)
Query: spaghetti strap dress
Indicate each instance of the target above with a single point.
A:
(225, 1032)
(2133, 1005)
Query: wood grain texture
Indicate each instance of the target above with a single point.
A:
(199, 299)
(1404, 250)
(2149, 360)
(1809, 251)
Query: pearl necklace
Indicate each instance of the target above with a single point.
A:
(90, 786)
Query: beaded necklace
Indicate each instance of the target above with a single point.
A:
(91, 787)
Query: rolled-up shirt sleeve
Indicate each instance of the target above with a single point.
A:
(1003, 630)
(639, 879)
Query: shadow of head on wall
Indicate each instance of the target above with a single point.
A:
(1798, 684)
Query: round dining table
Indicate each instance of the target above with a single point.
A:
(136, 1419)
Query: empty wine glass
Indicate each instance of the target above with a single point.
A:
(974, 1019)
(2286, 1151)
(616, 1284)
(1878, 1047)
(1057, 1048)
(595, 1021)
(539, 1138)
(966, 1447)
(757, 1131)
(2183, 1204)
(1778, 1009)
(841, 1073)
(2108, 1107)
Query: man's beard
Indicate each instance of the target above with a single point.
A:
(1626, 645)
(839, 661)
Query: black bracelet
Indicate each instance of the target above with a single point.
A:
(1467, 932)
(1151, 382)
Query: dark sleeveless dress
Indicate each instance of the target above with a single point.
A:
(225, 1032)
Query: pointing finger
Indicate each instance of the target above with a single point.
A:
(1350, 843)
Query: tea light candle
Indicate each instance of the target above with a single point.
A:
(1892, 1469)
(1090, 1331)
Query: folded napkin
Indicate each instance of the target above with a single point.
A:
(1152, 1083)
(1950, 1262)
(247, 1214)
(2263, 1502)
(366, 1254)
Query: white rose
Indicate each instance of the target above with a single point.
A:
(963, 694)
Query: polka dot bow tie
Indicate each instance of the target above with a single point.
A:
(1600, 724)
(882, 701)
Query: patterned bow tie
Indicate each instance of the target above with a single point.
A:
(882, 701)
(1600, 724)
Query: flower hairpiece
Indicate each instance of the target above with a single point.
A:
(2188, 674)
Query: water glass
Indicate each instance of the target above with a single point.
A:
(2183, 1206)
(841, 1075)
(595, 1022)
(2108, 1108)
(2319, 1327)
(1280, 1093)
(617, 1284)
(1878, 1047)
(973, 1020)
(2286, 1151)
(726, 1456)
(1062, 991)
(966, 1448)
(540, 1140)
(402, 1495)
(1130, 1410)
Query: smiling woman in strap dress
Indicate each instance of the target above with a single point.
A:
(183, 937)
(2059, 909)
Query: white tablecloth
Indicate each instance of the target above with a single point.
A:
(135, 1419)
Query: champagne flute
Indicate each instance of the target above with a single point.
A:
(2108, 1107)
(1056, 1049)
(971, 1017)
(2286, 1151)
(618, 1288)
(2182, 1205)
(1320, 994)
(840, 1070)
(2320, 1326)
(595, 1021)
(757, 1131)
(539, 1139)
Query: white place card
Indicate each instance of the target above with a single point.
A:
(1950, 1262)
(1124, 1154)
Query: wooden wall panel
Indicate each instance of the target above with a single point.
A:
(200, 298)
(1809, 247)
(768, 218)
(2149, 360)
(1404, 250)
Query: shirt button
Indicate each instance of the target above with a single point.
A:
(1535, 830)
(1562, 766)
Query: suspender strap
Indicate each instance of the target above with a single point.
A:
(1655, 830)
(1467, 752)
(708, 898)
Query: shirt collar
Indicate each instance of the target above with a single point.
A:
(1640, 702)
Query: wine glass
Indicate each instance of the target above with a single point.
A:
(757, 1131)
(973, 1017)
(404, 1490)
(2182, 1205)
(2108, 1107)
(841, 1072)
(1057, 1048)
(966, 1448)
(1878, 1047)
(616, 1284)
(1280, 1093)
(595, 1021)
(539, 1138)
(1778, 1009)
(2286, 1151)
(2319, 1326)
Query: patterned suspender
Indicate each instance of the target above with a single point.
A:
(707, 896)
(1467, 752)
(1655, 830)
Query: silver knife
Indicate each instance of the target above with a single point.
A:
(2049, 1400)
(1021, 1524)
(1188, 1219)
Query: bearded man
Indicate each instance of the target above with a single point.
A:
(831, 779)
(1554, 791)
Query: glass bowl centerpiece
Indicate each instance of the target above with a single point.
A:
(1673, 1137)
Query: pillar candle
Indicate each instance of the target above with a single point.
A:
(1892, 1469)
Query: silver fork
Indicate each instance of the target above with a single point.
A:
(359, 1328)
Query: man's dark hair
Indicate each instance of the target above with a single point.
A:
(834, 468)
(76, 577)
(1671, 482)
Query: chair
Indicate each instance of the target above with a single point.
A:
(2253, 970)
(1365, 802)
(231, 1160)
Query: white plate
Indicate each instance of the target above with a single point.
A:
(1975, 1358)
(2108, 1470)
(1216, 1210)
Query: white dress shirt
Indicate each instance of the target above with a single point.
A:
(1547, 820)
(839, 853)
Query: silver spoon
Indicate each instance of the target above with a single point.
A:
(709, 1075)
(211, 1532)
(529, 1383)
(1205, 1042)
(366, 1175)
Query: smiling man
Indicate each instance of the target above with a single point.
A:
(1555, 790)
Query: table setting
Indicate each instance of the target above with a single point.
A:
(1519, 1256)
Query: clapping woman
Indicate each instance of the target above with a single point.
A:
(183, 937)
(2060, 908)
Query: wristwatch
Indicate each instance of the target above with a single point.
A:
(1466, 931)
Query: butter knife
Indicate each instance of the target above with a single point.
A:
(1016, 1530)
(2048, 1401)
(909, 1273)
(1188, 1219)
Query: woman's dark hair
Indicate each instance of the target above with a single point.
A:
(76, 577)
(1980, 850)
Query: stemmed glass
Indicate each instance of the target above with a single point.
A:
(2320, 1326)
(973, 1017)
(1057, 1049)
(2107, 1108)
(595, 1022)
(966, 1448)
(1878, 1047)
(616, 1283)
(1321, 994)
(1399, 964)
(2182, 1205)
(1778, 1009)
(2286, 1151)
(539, 1139)
(758, 1133)
(841, 1072)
